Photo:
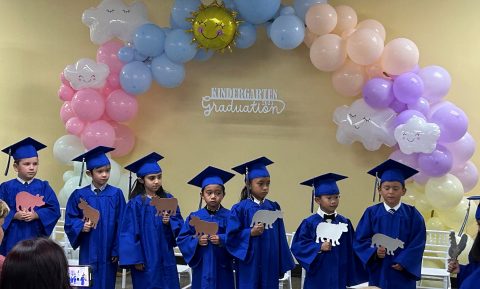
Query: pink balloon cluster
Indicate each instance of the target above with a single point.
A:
(96, 115)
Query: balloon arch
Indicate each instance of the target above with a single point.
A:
(401, 105)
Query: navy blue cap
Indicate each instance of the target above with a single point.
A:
(211, 176)
(254, 169)
(392, 171)
(24, 149)
(477, 213)
(146, 166)
(325, 184)
(95, 158)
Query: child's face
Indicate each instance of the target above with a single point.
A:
(392, 192)
(259, 187)
(328, 203)
(213, 196)
(26, 168)
(152, 183)
(99, 176)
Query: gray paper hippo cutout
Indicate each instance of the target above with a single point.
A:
(386, 242)
(266, 217)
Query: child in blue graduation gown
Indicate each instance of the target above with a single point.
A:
(468, 276)
(147, 240)
(206, 254)
(98, 245)
(328, 265)
(395, 220)
(35, 219)
(262, 252)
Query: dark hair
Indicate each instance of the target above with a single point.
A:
(35, 264)
(139, 189)
(475, 251)
(244, 194)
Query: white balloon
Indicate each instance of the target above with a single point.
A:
(417, 136)
(67, 147)
(444, 192)
(124, 182)
(114, 173)
(86, 73)
(68, 175)
(67, 190)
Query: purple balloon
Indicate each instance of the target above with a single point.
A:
(437, 163)
(436, 82)
(398, 106)
(453, 122)
(462, 150)
(468, 175)
(409, 160)
(408, 87)
(422, 105)
(421, 178)
(405, 115)
(377, 92)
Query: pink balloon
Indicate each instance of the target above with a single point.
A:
(107, 89)
(328, 52)
(107, 53)
(468, 175)
(400, 55)
(365, 46)
(124, 140)
(75, 126)
(114, 80)
(321, 18)
(88, 104)
(120, 106)
(98, 133)
(66, 111)
(64, 80)
(65, 92)
(349, 79)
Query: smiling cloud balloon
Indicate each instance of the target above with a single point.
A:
(113, 18)
(362, 123)
(417, 136)
(86, 73)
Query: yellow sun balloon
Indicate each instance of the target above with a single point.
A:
(214, 27)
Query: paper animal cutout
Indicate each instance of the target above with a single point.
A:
(456, 249)
(203, 227)
(266, 217)
(89, 213)
(26, 201)
(386, 242)
(330, 232)
(168, 205)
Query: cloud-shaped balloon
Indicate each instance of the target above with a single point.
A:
(362, 123)
(113, 18)
(86, 73)
(417, 136)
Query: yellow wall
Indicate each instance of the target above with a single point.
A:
(39, 38)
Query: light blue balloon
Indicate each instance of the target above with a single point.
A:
(181, 10)
(137, 56)
(247, 35)
(268, 28)
(287, 32)
(257, 11)
(167, 73)
(135, 78)
(149, 40)
(126, 54)
(301, 7)
(179, 47)
(203, 54)
(229, 4)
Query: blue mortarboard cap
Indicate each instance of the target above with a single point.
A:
(146, 165)
(254, 169)
(325, 184)
(26, 148)
(211, 176)
(95, 158)
(392, 171)
(477, 213)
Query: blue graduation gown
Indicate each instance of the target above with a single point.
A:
(406, 224)
(144, 239)
(468, 270)
(261, 259)
(334, 269)
(16, 230)
(471, 281)
(211, 264)
(98, 246)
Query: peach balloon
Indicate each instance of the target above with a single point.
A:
(364, 46)
(349, 79)
(309, 38)
(321, 18)
(346, 19)
(400, 55)
(374, 25)
(328, 52)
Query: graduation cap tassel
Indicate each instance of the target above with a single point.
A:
(8, 163)
(464, 221)
(375, 187)
(246, 182)
(81, 172)
(313, 197)
(129, 183)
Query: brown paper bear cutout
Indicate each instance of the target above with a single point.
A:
(89, 213)
(26, 201)
(203, 227)
(168, 205)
